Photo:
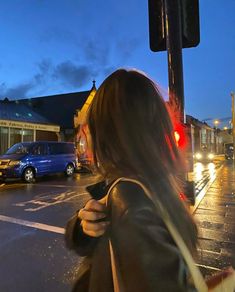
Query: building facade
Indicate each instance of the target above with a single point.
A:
(59, 109)
(42, 118)
(18, 123)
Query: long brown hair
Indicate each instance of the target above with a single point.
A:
(132, 136)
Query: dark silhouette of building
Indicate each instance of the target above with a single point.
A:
(59, 109)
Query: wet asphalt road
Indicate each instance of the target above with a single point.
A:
(215, 217)
(33, 259)
(36, 259)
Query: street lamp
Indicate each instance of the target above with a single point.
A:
(216, 122)
(216, 131)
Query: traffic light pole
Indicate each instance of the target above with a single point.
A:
(233, 130)
(173, 32)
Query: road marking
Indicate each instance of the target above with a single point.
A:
(203, 192)
(36, 225)
(11, 186)
(209, 267)
(59, 186)
(45, 201)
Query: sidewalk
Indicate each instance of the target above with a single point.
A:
(215, 216)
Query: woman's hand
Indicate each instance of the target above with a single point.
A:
(91, 218)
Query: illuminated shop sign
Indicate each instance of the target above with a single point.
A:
(41, 127)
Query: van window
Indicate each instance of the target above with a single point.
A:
(61, 148)
(18, 149)
(39, 149)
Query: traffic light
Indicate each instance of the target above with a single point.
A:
(157, 25)
(189, 11)
(180, 135)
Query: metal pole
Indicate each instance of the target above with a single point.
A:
(233, 121)
(174, 52)
(173, 30)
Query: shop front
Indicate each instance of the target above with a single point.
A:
(12, 132)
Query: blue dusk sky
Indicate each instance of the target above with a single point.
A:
(59, 46)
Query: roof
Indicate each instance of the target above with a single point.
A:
(14, 111)
(197, 123)
(60, 108)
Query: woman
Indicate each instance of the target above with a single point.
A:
(132, 136)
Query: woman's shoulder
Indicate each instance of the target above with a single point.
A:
(129, 195)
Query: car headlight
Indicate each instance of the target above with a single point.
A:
(211, 155)
(14, 162)
(198, 155)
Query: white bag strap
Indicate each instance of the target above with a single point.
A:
(197, 277)
(117, 281)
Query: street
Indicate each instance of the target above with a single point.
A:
(32, 220)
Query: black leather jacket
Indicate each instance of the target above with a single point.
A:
(147, 258)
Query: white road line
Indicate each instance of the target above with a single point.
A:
(208, 267)
(36, 225)
(59, 186)
(41, 203)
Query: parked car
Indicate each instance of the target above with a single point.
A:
(228, 151)
(33, 159)
(204, 156)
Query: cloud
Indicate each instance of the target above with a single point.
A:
(72, 74)
(96, 52)
(23, 89)
(95, 58)
(97, 62)
(44, 68)
(95, 49)
(18, 91)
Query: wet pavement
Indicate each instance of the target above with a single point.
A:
(215, 216)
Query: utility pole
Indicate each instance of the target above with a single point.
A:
(174, 52)
(173, 25)
(173, 30)
(233, 130)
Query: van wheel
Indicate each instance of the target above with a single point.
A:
(29, 175)
(69, 171)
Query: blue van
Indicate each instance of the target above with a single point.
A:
(29, 160)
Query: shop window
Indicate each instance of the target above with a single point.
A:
(27, 135)
(203, 136)
(46, 136)
(3, 139)
(15, 136)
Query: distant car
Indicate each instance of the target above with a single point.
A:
(228, 151)
(204, 156)
(32, 159)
